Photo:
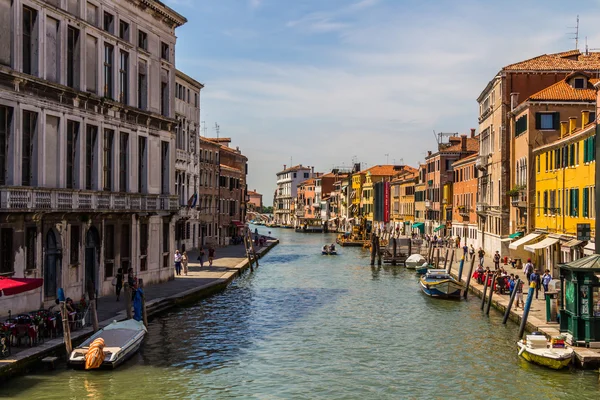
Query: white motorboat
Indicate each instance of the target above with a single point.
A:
(414, 261)
(122, 340)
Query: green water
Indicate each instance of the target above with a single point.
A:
(306, 326)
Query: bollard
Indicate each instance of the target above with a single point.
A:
(394, 248)
(489, 304)
(485, 286)
(128, 301)
(511, 300)
(526, 312)
(461, 264)
(469, 276)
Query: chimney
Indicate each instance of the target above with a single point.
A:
(572, 124)
(585, 118)
(284, 167)
(463, 143)
(472, 132)
(312, 170)
(514, 100)
(428, 153)
(563, 128)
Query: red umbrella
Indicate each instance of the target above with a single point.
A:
(12, 286)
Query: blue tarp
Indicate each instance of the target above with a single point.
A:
(137, 305)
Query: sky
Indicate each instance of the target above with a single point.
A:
(329, 82)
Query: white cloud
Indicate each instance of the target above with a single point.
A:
(255, 3)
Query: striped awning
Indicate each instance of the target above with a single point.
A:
(524, 240)
(549, 241)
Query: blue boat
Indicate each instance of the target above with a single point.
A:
(438, 283)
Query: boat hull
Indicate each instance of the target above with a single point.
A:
(550, 360)
(447, 289)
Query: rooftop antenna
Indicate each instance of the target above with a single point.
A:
(217, 129)
(575, 34)
(204, 127)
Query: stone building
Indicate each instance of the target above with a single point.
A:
(87, 147)
(255, 202)
(286, 192)
(208, 173)
(187, 166)
(232, 191)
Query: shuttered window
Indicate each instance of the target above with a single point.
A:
(586, 198)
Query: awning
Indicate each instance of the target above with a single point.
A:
(238, 224)
(571, 243)
(507, 239)
(12, 286)
(589, 249)
(406, 222)
(516, 235)
(418, 224)
(439, 228)
(526, 239)
(541, 245)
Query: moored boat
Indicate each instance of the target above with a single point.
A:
(121, 340)
(438, 283)
(552, 354)
(422, 269)
(414, 261)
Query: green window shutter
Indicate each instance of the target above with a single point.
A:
(585, 150)
(592, 150)
(576, 202)
(572, 203)
(556, 120)
(538, 120)
(585, 201)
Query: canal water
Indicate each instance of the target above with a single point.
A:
(306, 326)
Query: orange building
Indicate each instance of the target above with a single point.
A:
(464, 216)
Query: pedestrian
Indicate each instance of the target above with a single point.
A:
(497, 260)
(534, 280)
(177, 262)
(519, 289)
(119, 284)
(511, 284)
(528, 270)
(481, 255)
(465, 251)
(211, 255)
(184, 262)
(546, 280)
(457, 241)
(201, 257)
(472, 251)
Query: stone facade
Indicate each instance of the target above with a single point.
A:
(87, 119)
(286, 192)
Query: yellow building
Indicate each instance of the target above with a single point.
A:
(565, 180)
(357, 181)
(366, 202)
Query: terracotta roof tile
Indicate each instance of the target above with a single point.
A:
(566, 61)
(294, 168)
(385, 170)
(467, 159)
(472, 146)
(562, 91)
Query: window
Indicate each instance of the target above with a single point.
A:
(90, 155)
(142, 85)
(552, 202)
(586, 202)
(125, 250)
(572, 155)
(92, 14)
(28, 133)
(72, 135)
(306, 175)
(164, 94)
(91, 64)
(579, 83)
(164, 171)
(53, 53)
(72, 57)
(574, 202)
(5, 117)
(6, 251)
(143, 246)
(141, 164)
(74, 245)
(196, 100)
(124, 78)
(521, 125)
(124, 30)
(123, 160)
(164, 51)
(30, 41)
(547, 121)
(30, 242)
(109, 250)
(108, 162)
(108, 71)
(142, 40)
(165, 233)
(109, 23)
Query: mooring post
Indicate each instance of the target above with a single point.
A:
(394, 247)
(469, 277)
(373, 249)
(461, 265)
(485, 286)
(128, 300)
(66, 329)
(526, 312)
(144, 310)
(511, 300)
(446, 260)
(437, 257)
(378, 252)
(489, 304)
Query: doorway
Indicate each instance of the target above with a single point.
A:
(52, 268)
(92, 245)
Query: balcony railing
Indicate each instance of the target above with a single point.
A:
(481, 208)
(481, 162)
(33, 199)
(183, 155)
(428, 203)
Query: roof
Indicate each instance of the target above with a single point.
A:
(253, 193)
(572, 60)
(466, 160)
(562, 91)
(294, 168)
(384, 170)
(307, 182)
(228, 168)
(574, 136)
(472, 146)
(189, 79)
(404, 177)
(590, 262)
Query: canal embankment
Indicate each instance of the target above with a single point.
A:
(587, 358)
(200, 282)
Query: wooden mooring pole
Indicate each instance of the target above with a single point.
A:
(489, 303)
(128, 300)
(485, 286)
(378, 251)
(373, 248)
(144, 310)
(526, 312)
(66, 329)
(469, 277)
(510, 302)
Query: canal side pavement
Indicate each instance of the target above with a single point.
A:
(201, 282)
(536, 320)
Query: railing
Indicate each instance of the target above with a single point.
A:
(183, 155)
(481, 207)
(31, 199)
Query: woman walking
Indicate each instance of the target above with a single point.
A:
(184, 263)
(119, 284)
(201, 257)
(211, 255)
(177, 262)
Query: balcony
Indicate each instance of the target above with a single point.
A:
(464, 212)
(299, 213)
(183, 156)
(35, 199)
(481, 162)
(428, 204)
(481, 208)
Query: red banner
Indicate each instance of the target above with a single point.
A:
(386, 202)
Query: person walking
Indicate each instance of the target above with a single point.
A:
(472, 251)
(211, 255)
(119, 284)
(546, 278)
(497, 260)
(528, 270)
(201, 257)
(465, 251)
(519, 295)
(481, 255)
(184, 262)
(534, 280)
(177, 262)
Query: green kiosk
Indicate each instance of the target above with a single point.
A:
(580, 310)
